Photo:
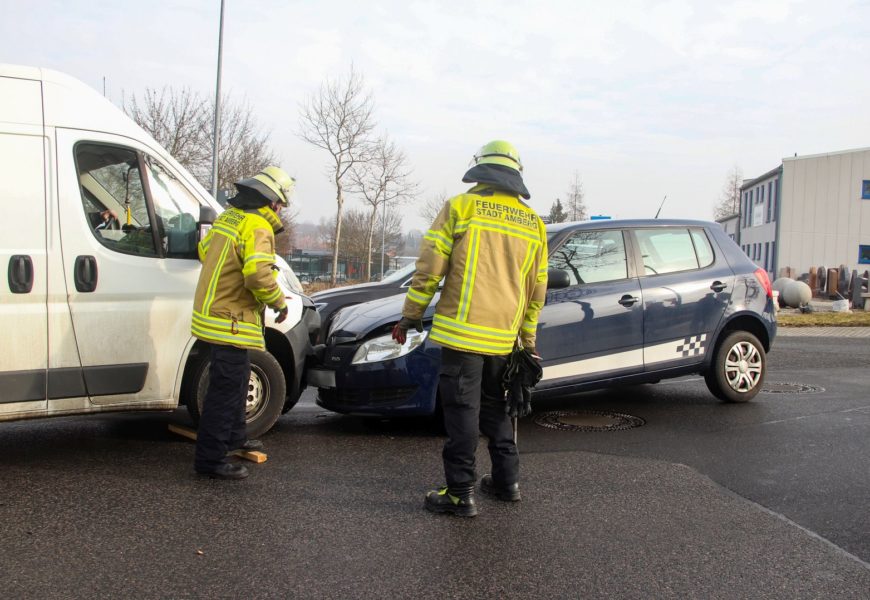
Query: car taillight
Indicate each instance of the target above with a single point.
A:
(764, 280)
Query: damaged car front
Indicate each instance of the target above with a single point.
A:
(360, 369)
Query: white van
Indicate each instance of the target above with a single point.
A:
(98, 240)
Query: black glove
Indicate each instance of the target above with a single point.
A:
(282, 315)
(521, 374)
(400, 331)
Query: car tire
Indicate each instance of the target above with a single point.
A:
(267, 392)
(738, 368)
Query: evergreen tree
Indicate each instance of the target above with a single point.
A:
(557, 213)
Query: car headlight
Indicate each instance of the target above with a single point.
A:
(385, 348)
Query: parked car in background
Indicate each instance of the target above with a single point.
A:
(627, 302)
(329, 301)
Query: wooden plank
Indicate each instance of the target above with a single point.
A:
(183, 431)
(254, 456)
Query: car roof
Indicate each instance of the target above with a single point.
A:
(621, 223)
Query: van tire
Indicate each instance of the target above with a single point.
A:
(267, 392)
(738, 368)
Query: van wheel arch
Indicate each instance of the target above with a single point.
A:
(267, 390)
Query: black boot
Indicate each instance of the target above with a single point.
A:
(250, 445)
(460, 504)
(506, 493)
(225, 471)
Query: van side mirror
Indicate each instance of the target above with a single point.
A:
(207, 216)
(557, 279)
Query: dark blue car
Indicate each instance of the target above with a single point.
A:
(627, 302)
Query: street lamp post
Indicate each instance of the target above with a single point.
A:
(217, 108)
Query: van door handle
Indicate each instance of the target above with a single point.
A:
(86, 273)
(628, 300)
(20, 274)
(718, 286)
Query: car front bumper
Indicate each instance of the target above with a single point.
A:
(402, 387)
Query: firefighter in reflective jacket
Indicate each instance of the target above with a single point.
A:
(491, 249)
(235, 285)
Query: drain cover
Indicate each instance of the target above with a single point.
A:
(774, 387)
(587, 420)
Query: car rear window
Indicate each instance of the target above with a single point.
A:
(668, 250)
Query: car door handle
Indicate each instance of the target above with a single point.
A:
(628, 300)
(20, 274)
(85, 273)
(718, 286)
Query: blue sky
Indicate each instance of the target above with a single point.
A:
(642, 99)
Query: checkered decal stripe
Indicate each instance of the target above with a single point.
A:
(692, 346)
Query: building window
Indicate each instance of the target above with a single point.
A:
(864, 255)
(760, 194)
(769, 201)
(767, 256)
(773, 199)
(865, 189)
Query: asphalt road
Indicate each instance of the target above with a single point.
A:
(763, 500)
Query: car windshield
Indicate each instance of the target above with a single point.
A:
(401, 274)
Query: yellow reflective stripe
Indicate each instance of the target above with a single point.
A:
(442, 247)
(226, 230)
(478, 330)
(511, 231)
(268, 298)
(461, 226)
(235, 340)
(260, 257)
(470, 344)
(527, 266)
(228, 324)
(215, 278)
(419, 297)
(469, 275)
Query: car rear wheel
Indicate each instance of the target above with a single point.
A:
(738, 368)
(266, 396)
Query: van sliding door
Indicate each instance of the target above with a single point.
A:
(23, 294)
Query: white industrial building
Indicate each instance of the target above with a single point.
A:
(810, 211)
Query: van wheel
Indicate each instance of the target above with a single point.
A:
(738, 368)
(266, 392)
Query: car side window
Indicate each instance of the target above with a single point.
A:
(702, 247)
(113, 198)
(666, 250)
(591, 257)
(175, 209)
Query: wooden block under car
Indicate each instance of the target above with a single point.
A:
(251, 455)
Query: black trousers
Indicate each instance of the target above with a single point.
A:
(473, 400)
(222, 421)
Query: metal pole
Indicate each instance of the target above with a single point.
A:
(217, 108)
(383, 239)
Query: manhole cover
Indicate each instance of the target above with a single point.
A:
(587, 420)
(774, 387)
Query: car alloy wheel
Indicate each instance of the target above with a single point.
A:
(743, 367)
(738, 367)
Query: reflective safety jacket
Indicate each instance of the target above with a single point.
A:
(237, 280)
(492, 251)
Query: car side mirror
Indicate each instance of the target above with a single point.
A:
(207, 216)
(557, 279)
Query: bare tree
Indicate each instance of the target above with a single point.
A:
(432, 206)
(729, 199)
(575, 200)
(182, 122)
(382, 182)
(339, 119)
(284, 240)
(355, 235)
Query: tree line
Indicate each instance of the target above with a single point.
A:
(339, 119)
